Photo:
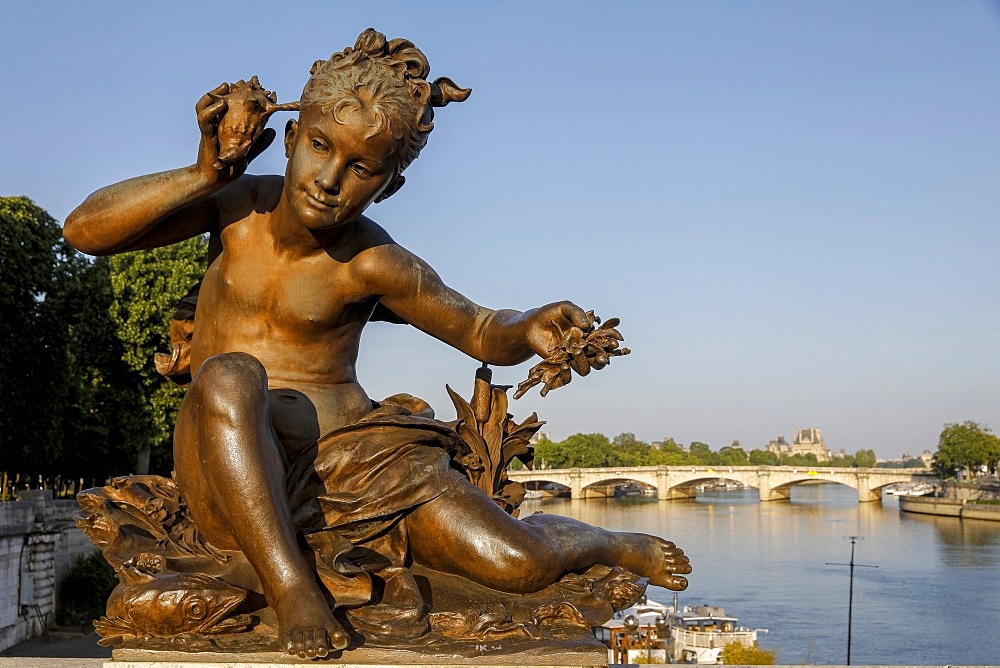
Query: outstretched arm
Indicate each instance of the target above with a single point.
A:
(166, 207)
(413, 290)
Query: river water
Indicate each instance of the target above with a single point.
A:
(933, 600)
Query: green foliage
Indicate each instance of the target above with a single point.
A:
(84, 590)
(733, 457)
(33, 348)
(147, 286)
(842, 461)
(762, 458)
(104, 420)
(71, 405)
(583, 450)
(735, 654)
(966, 447)
(865, 458)
(627, 450)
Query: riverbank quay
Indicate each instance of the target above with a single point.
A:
(961, 508)
(38, 542)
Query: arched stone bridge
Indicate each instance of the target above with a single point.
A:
(678, 482)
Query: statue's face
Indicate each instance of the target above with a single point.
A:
(334, 171)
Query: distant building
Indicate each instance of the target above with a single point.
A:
(658, 445)
(807, 441)
(779, 446)
(540, 436)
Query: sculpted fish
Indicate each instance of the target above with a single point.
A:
(166, 605)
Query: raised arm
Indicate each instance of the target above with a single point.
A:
(412, 290)
(166, 207)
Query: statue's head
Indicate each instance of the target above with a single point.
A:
(386, 80)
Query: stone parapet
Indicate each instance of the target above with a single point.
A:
(38, 542)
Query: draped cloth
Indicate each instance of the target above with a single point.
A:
(361, 480)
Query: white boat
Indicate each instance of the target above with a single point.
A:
(911, 489)
(533, 494)
(657, 633)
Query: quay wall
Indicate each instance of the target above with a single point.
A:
(38, 543)
(929, 505)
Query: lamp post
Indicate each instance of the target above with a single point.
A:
(631, 626)
(850, 591)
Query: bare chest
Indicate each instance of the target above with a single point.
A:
(250, 280)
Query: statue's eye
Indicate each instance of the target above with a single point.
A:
(195, 608)
(318, 145)
(361, 170)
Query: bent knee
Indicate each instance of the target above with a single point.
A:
(229, 380)
(231, 370)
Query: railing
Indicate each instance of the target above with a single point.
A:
(706, 640)
(62, 488)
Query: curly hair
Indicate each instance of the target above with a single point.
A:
(388, 79)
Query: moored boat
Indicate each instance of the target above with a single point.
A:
(911, 489)
(658, 633)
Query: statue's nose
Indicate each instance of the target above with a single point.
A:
(329, 181)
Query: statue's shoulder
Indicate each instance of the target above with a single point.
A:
(264, 189)
(377, 255)
(246, 195)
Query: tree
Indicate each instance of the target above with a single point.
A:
(579, 450)
(627, 450)
(762, 458)
(147, 287)
(104, 421)
(737, 654)
(32, 355)
(966, 447)
(864, 458)
(700, 453)
(733, 457)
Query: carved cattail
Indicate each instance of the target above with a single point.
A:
(481, 394)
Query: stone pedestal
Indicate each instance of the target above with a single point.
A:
(535, 655)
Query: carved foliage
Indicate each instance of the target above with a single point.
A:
(580, 350)
(494, 440)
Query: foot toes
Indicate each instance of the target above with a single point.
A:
(321, 643)
(339, 639)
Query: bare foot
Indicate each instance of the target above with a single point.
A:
(659, 560)
(306, 626)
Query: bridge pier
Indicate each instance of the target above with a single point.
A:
(576, 484)
(766, 491)
(779, 494)
(865, 493)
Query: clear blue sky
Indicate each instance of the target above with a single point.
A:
(792, 206)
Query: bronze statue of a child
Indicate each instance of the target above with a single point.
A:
(296, 270)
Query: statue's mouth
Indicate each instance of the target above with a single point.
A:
(320, 202)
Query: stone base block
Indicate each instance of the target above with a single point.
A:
(541, 655)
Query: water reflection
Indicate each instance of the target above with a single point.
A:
(962, 543)
(766, 563)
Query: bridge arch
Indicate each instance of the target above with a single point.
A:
(772, 482)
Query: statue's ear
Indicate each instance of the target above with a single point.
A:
(291, 127)
(391, 188)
